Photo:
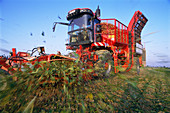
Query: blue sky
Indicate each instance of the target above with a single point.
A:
(20, 18)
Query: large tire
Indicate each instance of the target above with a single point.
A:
(104, 64)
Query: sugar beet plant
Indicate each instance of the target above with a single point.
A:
(43, 78)
(59, 87)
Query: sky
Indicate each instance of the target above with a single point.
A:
(23, 21)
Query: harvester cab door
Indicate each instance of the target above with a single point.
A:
(97, 30)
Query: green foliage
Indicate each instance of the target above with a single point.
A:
(59, 87)
(29, 108)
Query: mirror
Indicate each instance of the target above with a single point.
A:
(97, 13)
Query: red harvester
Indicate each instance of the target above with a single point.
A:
(103, 43)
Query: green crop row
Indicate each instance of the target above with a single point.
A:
(59, 87)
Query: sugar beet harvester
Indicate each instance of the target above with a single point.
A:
(114, 43)
(102, 43)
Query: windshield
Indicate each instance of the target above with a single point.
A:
(80, 30)
(83, 21)
(81, 36)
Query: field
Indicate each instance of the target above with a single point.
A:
(30, 90)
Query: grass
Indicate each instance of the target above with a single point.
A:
(127, 92)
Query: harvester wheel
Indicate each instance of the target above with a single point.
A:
(104, 64)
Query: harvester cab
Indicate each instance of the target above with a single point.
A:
(81, 27)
